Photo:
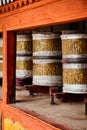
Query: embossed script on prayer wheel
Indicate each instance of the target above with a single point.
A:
(24, 44)
(74, 46)
(46, 44)
(23, 67)
(75, 77)
(47, 72)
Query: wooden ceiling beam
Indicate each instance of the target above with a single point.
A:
(44, 12)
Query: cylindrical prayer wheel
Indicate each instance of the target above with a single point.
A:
(46, 44)
(75, 77)
(23, 67)
(23, 58)
(47, 72)
(24, 44)
(74, 46)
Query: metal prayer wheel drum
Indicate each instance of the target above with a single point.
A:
(47, 72)
(74, 46)
(24, 44)
(23, 67)
(46, 44)
(75, 77)
(23, 58)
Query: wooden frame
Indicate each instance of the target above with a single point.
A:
(0, 106)
(44, 12)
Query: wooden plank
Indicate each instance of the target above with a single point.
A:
(19, 8)
(61, 11)
(9, 50)
(0, 106)
(31, 120)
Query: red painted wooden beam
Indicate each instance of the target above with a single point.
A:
(9, 56)
(0, 106)
(44, 12)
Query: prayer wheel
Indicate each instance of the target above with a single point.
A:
(74, 55)
(74, 46)
(47, 67)
(75, 77)
(47, 72)
(24, 67)
(24, 44)
(23, 58)
(46, 44)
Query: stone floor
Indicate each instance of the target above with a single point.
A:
(71, 115)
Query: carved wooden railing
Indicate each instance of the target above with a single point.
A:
(9, 5)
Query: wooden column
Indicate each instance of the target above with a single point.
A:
(9, 61)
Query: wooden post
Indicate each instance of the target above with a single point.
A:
(9, 61)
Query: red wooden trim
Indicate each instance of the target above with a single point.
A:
(4, 84)
(0, 106)
(52, 13)
(9, 50)
(31, 120)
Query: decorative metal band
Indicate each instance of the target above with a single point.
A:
(75, 88)
(75, 66)
(74, 36)
(24, 53)
(1, 42)
(1, 74)
(23, 73)
(23, 58)
(45, 35)
(24, 37)
(75, 56)
(45, 61)
(47, 53)
(47, 80)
